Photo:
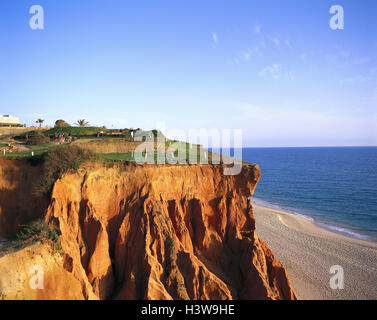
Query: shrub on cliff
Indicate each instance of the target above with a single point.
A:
(82, 131)
(61, 123)
(38, 230)
(59, 161)
(38, 140)
(126, 133)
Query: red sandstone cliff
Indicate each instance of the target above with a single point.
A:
(132, 232)
(164, 232)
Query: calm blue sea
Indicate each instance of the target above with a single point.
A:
(336, 187)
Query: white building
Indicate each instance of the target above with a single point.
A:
(8, 120)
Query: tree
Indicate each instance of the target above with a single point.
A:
(40, 121)
(61, 123)
(82, 123)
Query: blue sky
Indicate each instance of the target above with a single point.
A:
(274, 69)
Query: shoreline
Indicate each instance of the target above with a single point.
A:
(330, 226)
(308, 251)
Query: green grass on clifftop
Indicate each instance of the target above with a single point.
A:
(73, 131)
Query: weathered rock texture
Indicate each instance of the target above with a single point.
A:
(164, 232)
(36, 273)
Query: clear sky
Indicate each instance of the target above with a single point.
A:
(272, 68)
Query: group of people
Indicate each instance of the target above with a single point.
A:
(63, 138)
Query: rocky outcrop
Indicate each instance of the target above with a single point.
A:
(164, 232)
(36, 273)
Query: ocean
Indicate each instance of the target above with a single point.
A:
(334, 186)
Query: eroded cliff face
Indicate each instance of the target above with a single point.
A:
(164, 232)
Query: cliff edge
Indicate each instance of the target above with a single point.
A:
(164, 232)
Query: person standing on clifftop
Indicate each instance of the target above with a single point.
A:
(61, 139)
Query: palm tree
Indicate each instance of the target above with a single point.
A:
(40, 121)
(82, 123)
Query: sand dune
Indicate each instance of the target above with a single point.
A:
(308, 252)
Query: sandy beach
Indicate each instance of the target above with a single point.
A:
(308, 252)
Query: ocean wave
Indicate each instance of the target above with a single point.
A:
(344, 231)
(302, 216)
